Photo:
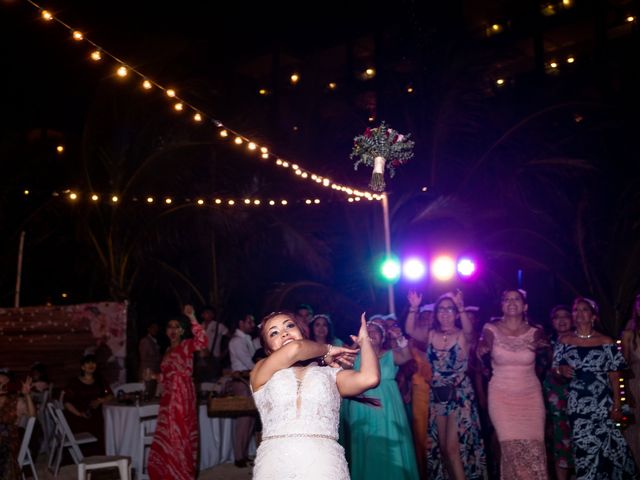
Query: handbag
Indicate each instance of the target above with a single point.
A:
(443, 394)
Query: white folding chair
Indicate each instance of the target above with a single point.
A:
(146, 415)
(69, 440)
(55, 436)
(129, 388)
(100, 463)
(24, 454)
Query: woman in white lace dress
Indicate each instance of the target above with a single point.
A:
(299, 400)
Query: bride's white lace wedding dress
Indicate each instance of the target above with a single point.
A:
(300, 409)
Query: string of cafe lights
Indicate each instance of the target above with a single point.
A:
(74, 196)
(180, 105)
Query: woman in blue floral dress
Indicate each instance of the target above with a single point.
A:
(593, 361)
(454, 425)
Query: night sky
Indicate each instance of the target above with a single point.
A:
(524, 117)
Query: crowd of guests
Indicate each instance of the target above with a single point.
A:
(451, 397)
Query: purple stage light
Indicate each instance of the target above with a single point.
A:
(466, 267)
(414, 269)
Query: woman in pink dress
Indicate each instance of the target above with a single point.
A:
(174, 451)
(516, 406)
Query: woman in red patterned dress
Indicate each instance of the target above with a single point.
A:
(174, 451)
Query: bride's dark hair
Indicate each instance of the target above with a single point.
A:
(265, 320)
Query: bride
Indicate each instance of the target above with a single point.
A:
(299, 400)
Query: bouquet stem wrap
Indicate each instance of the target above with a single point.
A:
(377, 177)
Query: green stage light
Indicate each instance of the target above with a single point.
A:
(390, 269)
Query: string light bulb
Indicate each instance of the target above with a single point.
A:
(178, 107)
(500, 82)
(224, 133)
(630, 19)
(197, 117)
(73, 196)
(217, 201)
(251, 146)
(94, 197)
(295, 78)
(115, 199)
(77, 35)
(47, 15)
(571, 59)
(231, 202)
(122, 71)
(332, 85)
(147, 85)
(238, 141)
(200, 201)
(168, 201)
(150, 200)
(170, 92)
(60, 148)
(284, 202)
(96, 56)
(26, 192)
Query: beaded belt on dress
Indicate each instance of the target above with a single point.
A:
(291, 435)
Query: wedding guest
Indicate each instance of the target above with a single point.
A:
(241, 351)
(149, 351)
(592, 362)
(174, 451)
(321, 330)
(516, 406)
(457, 449)
(380, 438)
(12, 408)
(215, 354)
(304, 314)
(556, 391)
(631, 351)
(84, 396)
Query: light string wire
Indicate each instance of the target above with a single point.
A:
(198, 114)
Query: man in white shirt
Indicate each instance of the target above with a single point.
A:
(241, 350)
(209, 362)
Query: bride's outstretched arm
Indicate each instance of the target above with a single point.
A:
(290, 354)
(352, 382)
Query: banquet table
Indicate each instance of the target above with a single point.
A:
(121, 429)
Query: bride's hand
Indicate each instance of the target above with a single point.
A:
(363, 333)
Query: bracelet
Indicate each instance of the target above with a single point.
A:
(414, 309)
(324, 357)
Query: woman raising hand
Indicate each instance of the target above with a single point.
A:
(299, 400)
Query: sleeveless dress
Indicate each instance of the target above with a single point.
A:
(449, 368)
(300, 427)
(516, 406)
(632, 433)
(381, 445)
(174, 450)
(599, 448)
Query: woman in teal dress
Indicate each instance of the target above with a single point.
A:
(381, 445)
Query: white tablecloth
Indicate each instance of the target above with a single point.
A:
(121, 430)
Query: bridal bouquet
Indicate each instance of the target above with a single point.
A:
(381, 148)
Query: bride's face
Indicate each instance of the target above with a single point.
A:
(281, 330)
